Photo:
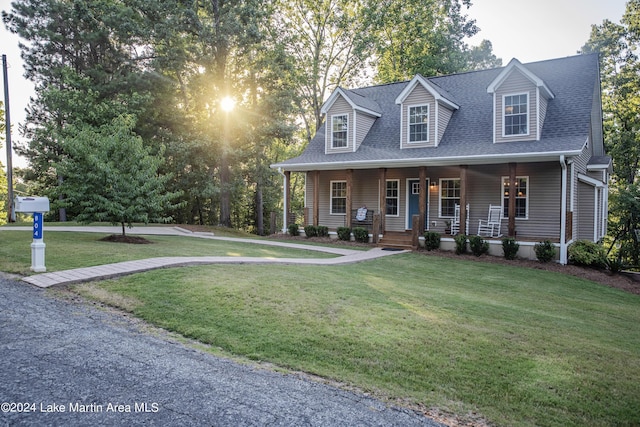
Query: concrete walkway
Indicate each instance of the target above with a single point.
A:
(101, 272)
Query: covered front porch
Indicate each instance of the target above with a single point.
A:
(422, 198)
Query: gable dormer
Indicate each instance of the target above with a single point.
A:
(520, 100)
(349, 117)
(425, 110)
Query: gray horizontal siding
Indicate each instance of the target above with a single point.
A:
(444, 115)
(419, 96)
(363, 125)
(484, 187)
(586, 204)
(543, 113)
(339, 107)
(515, 84)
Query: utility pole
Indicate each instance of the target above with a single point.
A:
(11, 214)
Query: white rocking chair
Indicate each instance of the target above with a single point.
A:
(455, 224)
(491, 226)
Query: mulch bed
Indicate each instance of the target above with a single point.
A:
(119, 238)
(621, 281)
(627, 282)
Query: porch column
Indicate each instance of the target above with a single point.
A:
(316, 198)
(349, 195)
(382, 198)
(423, 199)
(287, 197)
(512, 199)
(463, 199)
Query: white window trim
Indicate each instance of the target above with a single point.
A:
(333, 147)
(408, 130)
(538, 117)
(504, 121)
(495, 116)
(397, 214)
(331, 197)
(355, 131)
(528, 197)
(440, 196)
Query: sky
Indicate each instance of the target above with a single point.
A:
(536, 30)
(529, 30)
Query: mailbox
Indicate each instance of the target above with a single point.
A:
(31, 204)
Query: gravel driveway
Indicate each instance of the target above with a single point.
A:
(71, 364)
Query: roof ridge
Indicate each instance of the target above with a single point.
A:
(379, 85)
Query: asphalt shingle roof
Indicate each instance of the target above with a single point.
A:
(469, 134)
(363, 101)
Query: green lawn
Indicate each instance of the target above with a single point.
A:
(67, 250)
(519, 346)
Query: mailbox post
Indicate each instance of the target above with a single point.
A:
(37, 206)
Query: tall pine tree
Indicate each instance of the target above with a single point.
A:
(87, 59)
(618, 45)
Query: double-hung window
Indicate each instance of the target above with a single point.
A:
(419, 123)
(338, 197)
(339, 130)
(521, 189)
(449, 196)
(392, 197)
(516, 116)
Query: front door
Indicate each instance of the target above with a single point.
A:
(413, 202)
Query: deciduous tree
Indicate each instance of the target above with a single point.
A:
(87, 59)
(423, 37)
(330, 44)
(618, 45)
(111, 176)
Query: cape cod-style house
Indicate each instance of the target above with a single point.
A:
(519, 146)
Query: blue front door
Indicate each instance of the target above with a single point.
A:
(413, 202)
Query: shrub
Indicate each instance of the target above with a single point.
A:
(461, 244)
(361, 234)
(323, 231)
(294, 229)
(545, 251)
(510, 247)
(431, 240)
(586, 253)
(615, 265)
(310, 231)
(344, 233)
(478, 245)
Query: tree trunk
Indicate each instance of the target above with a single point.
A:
(259, 210)
(225, 197)
(62, 212)
(122, 229)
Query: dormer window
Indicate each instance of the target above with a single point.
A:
(339, 130)
(425, 111)
(419, 124)
(516, 114)
(520, 101)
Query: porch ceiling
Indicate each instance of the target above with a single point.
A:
(430, 161)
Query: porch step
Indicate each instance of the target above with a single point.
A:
(396, 240)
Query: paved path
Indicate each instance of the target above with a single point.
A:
(71, 364)
(58, 355)
(78, 275)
